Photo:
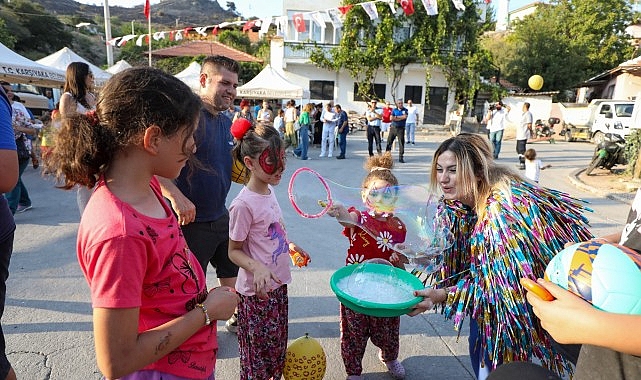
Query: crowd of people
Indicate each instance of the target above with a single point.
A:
(156, 167)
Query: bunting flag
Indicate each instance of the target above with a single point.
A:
(345, 9)
(299, 22)
(265, 24)
(147, 10)
(201, 30)
(248, 25)
(159, 36)
(214, 31)
(370, 9)
(126, 38)
(334, 16)
(431, 7)
(458, 4)
(408, 6)
(140, 38)
(318, 19)
(179, 35)
(392, 6)
(113, 41)
(281, 24)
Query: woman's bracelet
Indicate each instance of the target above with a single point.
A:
(204, 309)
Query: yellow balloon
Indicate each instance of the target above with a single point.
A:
(535, 82)
(305, 360)
(238, 172)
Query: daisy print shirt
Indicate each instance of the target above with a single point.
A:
(374, 236)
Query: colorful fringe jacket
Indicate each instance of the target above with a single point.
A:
(521, 231)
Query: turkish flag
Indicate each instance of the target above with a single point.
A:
(147, 10)
(248, 25)
(345, 9)
(408, 6)
(299, 23)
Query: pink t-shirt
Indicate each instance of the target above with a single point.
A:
(258, 221)
(132, 260)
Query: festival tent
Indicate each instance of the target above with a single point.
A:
(270, 84)
(191, 76)
(18, 69)
(63, 57)
(118, 67)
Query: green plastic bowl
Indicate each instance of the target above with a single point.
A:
(372, 308)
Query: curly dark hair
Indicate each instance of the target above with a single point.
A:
(129, 103)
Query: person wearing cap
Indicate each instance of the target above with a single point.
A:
(244, 112)
(373, 116)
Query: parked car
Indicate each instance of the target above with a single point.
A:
(32, 98)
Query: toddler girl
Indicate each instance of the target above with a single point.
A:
(379, 192)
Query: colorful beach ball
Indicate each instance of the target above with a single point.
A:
(606, 275)
(305, 360)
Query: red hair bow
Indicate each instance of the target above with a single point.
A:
(240, 127)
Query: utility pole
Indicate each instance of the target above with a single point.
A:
(110, 51)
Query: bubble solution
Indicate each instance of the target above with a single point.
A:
(380, 288)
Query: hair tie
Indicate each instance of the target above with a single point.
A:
(240, 127)
(92, 116)
(374, 168)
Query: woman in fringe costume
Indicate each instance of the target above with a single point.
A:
(505, 228)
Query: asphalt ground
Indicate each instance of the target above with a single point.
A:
(48, 317)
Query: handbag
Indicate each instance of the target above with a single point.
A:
(296, 125)
(21, 148)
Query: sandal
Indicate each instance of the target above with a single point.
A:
(395, 368)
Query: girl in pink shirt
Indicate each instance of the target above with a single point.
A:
(258, 244)
(153, 316)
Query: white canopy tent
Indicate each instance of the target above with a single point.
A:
(18, 69)
(118, 67)
(270, 84)
(191, 76)
(63, 57)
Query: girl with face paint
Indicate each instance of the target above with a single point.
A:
(379, 194)
(258, 244)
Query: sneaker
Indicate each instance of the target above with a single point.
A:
(402, 161)
(232, 324)
(321, 155)
(23, 208)
(329, 155)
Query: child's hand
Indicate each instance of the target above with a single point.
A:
(338, 211)
(300, 257)
(221, 303)
(263, 278)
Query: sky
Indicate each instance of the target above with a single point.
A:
(249, 8)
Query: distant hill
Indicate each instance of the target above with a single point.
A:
(167, 12)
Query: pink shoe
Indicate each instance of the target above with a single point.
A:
(394, 367)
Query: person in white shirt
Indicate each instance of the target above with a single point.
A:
(533, 166)
(496, 119)
(411, 121)
(329, 119)
(523, 133)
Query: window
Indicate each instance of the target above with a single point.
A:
(321, 89)
(378, 92)
(415, 93)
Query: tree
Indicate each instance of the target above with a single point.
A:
(6, 38)
(566, 42)
(448, 39)
(38, 33)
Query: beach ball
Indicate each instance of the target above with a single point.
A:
(606, 275)
(238, 172)
(535, 82)
(304, 360)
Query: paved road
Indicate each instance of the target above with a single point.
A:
(47, 319)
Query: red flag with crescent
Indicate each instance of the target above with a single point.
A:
(408, 6)
(345, 9)
(248, 25)
(147, 10)
(299, 22)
